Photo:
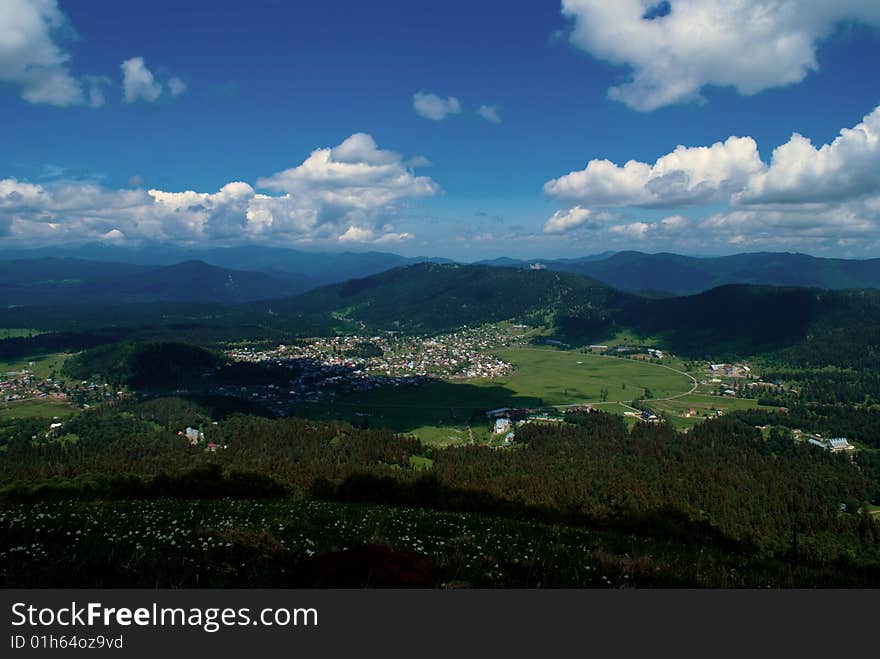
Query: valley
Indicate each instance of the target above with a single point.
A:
(514, 399)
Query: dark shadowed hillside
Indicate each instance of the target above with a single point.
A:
(52, 281)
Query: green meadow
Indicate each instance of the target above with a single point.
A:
(17, 332)
(567, 377)
(34, 408)
(704, 405)
(449, 412)
(42, 366)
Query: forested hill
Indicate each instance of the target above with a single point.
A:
(806, 327)
(840, 327)
(430, 297)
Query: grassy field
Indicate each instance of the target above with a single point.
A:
(42, 366)
(16, 332)
(34, 408)
(705, 406)
(566, 378)
(449, 412)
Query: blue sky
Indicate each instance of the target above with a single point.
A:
(221, 93)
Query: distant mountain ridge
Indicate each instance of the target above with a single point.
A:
(315, 268)
(684, 275)
(67, 281)
(633, 271)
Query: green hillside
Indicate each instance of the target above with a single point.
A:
(430, 297)
(839, 326)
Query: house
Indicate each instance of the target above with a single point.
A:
(54, 429)
(839, 445)
(578, 409)
(497, 412)
(835, 445)
(194, 435)
(502, 426)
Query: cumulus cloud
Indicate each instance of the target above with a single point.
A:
(687, 175)
(355, 176)
(672, 227)
(32, 60)
(489, 113)
(801, 173)
(806, 196)
(367, 235)
(138, 82)
(675, 50)
(437, 108)
(563, 221)
(345, 194)
(176, 86)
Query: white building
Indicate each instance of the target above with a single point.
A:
(835, 445)
(502, 426)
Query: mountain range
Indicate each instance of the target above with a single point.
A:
(68, 281)
(819, 327)
(238, 274)
(733, 319)
(682, 275)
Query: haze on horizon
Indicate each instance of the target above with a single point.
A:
(467, 131)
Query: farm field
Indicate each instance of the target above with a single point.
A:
(705, 406)
(17, 332)
(34, 408)
(440, 412)
(566, 378)
(42, 366)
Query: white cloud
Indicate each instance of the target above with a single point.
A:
(563, 221)
(176, 86)
(684, 176)
(431, 106)
(418, 161)
(31, 60)
(346, 194)
(801, 173)
(96, 85)
(489, 113)
(750, 45)
(367, 235)
(807, 197)
(672, 227)
(138, 82)
(355, 176)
